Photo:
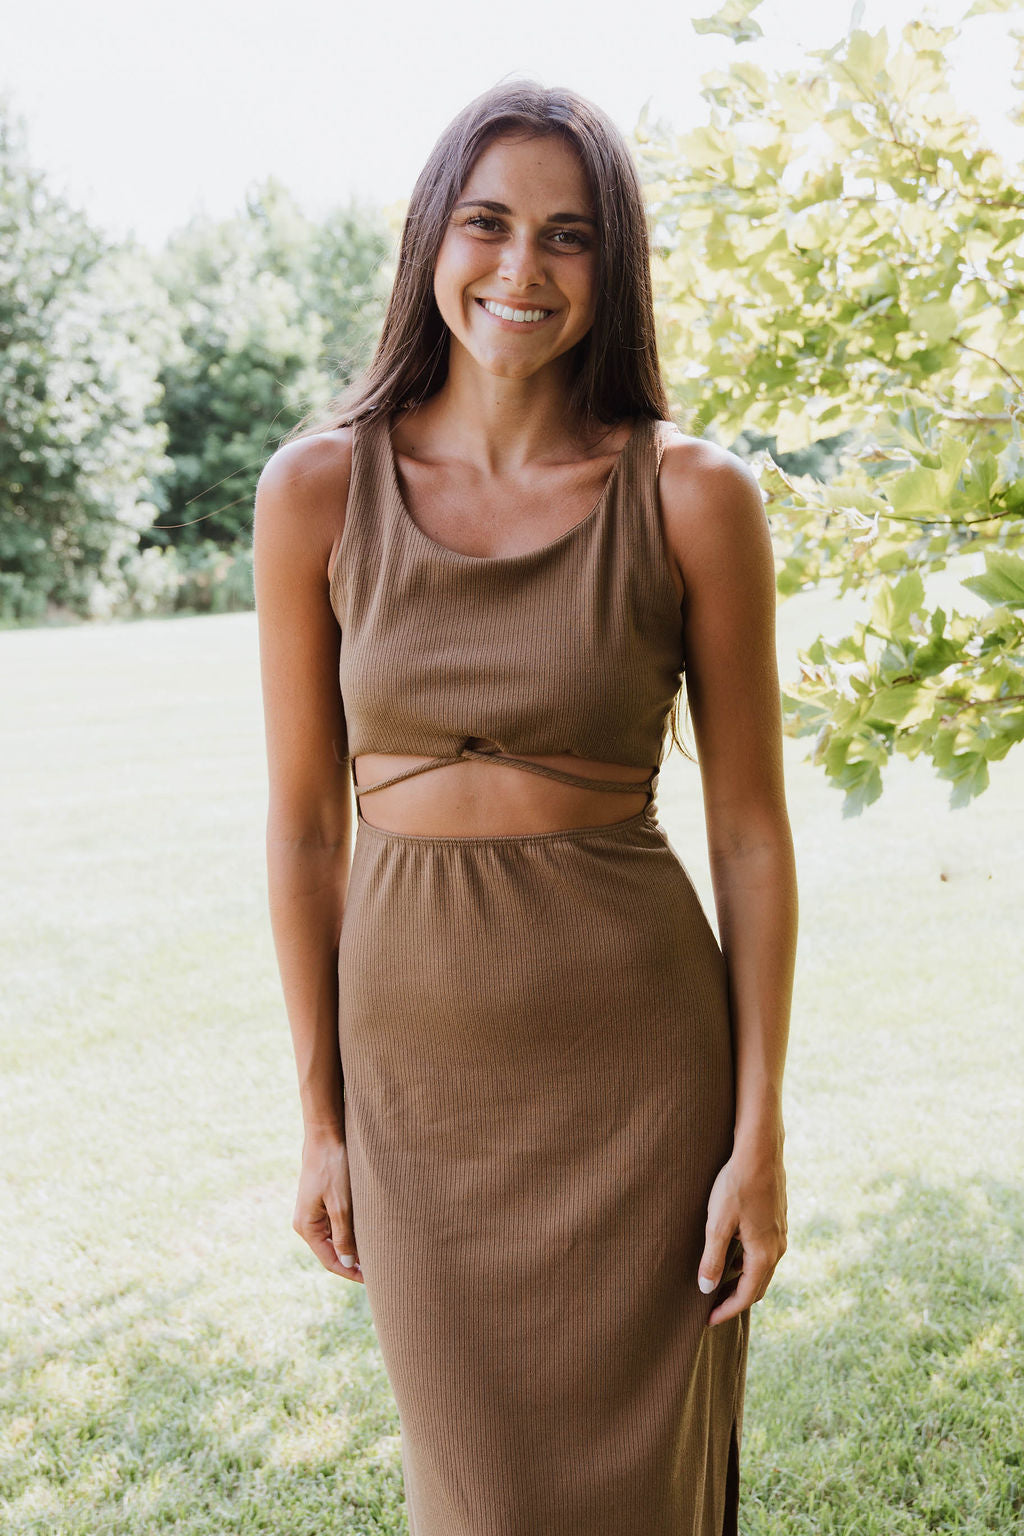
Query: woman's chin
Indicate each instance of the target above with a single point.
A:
(500, 364)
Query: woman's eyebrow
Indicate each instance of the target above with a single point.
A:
(553, 218)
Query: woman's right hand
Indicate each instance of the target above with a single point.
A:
(323, 1208)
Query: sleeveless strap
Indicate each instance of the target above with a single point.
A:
(578, 779)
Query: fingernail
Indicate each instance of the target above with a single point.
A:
(706, 1285)
(348, 1259)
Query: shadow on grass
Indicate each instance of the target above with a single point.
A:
(887, 1395)
(149, 1416)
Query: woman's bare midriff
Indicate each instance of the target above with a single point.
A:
(474, 799)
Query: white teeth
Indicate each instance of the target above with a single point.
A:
(504, 313)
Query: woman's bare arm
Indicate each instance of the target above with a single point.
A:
(716, 522)
(300, 503)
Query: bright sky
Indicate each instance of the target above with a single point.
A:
(144, 115)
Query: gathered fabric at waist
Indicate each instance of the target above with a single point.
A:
(476, 754)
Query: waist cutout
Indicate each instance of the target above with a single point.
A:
(582, 781)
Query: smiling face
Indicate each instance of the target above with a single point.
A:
(523, 237)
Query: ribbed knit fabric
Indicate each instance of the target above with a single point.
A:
(535, 1041)
(573, 647)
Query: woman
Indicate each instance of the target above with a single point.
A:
(542, 1106)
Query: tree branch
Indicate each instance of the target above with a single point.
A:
(1010, 698)
(989, 358)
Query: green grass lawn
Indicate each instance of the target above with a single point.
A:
(176, 1360)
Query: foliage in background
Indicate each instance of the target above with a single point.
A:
(78, 320)
(837, 252)
(276, 313)
(140, 397)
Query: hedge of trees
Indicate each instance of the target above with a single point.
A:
(141, 396)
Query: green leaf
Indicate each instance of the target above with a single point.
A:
(866, 55)
(734, 19)
(863, 785)
(969, 772)
(893, 606)
(1003, 582)
(904, 704)
(918, 493)
(936, 319)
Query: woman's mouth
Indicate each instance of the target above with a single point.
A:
(516, 319)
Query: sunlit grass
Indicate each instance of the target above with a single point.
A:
(176, 1359)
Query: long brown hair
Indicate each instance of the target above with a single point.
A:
(615, 371)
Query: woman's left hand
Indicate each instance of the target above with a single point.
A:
(748, 1198)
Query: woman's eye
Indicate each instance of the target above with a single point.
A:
(479, 220)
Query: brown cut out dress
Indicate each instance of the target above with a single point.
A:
(535, 1038)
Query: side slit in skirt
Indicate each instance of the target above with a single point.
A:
(539, 1094)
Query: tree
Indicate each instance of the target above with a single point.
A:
(838, 256)
(77, 318)
(276, 313)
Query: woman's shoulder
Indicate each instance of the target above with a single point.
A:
(311, 470)
(709, 496)
(306, 466)
(696, 471)
(303, 491)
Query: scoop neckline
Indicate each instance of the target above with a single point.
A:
(528, 554)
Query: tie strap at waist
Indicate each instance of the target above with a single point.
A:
(582, 782)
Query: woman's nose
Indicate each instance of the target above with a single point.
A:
(521, 264)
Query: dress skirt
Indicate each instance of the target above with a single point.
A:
(539, 1094)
